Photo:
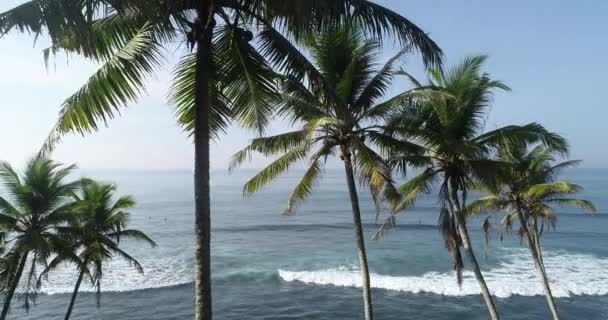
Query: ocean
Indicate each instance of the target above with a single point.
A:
(266, 266)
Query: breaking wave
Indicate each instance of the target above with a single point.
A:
(570, 274)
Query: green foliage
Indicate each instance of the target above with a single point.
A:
(181, 97)
(127, 38)
(332, 114)
(529, 185)
(33, 207)
(94, 237)
(443, 134)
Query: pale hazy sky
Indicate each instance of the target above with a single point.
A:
(551, 53)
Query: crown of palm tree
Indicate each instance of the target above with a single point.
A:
(448, 126)
(529, 183)
(95, 235)
(338, 112)
(35, 205)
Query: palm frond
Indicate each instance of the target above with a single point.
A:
(132, 234)
(286, 57)
(247, 79)
(556, 169)
(124, 255)
(275, 169)
(182, 94)
(486, 203)
(305, 186)
(370, 166)
(105, 36)
(267, 146)
(548, 190)
(380, 83)
(56, 17)
(529, 134)
(580, 203)
(119, 81)
(378, 20)
(421, 183)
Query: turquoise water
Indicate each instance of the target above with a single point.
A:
(266, 266)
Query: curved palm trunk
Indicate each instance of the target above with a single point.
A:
(354, 201)
(534, 245)
(468, 248)
(13, 287)
(74, 295)
(202, 232)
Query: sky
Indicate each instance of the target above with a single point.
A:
(552, 54)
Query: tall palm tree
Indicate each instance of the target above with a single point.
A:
(226, 76)
(527, 188)
(336, 114)
(448, 127)
(101, 224)
(35, 205)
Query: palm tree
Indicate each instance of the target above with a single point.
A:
(35, 205)
(336, 114)
(527, 189)
(101, 225)
(448, 126)
(226, 76)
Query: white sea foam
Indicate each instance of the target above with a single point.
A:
(119, 276)
(570, 274)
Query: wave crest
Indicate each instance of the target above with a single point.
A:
(570, 274)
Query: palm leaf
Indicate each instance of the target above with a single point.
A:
(583, 204)
(276, 168)
(547, 190)
(286, 57)
(182, 94)
(132, 234)
(529, 133)
(267, 146)
(377, 20)
(118, 82)
(57, 17)
(380, 83)
(421, 183)
(305, 186)
(491, 203)
(248, 81)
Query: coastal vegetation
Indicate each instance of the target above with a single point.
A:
(313, 63)
(444, 131)
(48, 220)
(225, 77)
(333, 111)
(525, 193)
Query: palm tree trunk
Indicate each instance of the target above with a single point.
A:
(13, 287)
(468, 248)
(202, 232)
(532, 237)
(536, 237)
(74, 294)
(354, 201)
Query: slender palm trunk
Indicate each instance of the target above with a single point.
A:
(13, 286)
(468, 248)
(536, 238)
(533, 244)
(74, 295)
(202, 232)
(354, 201)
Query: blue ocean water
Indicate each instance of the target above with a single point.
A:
(266, 266)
